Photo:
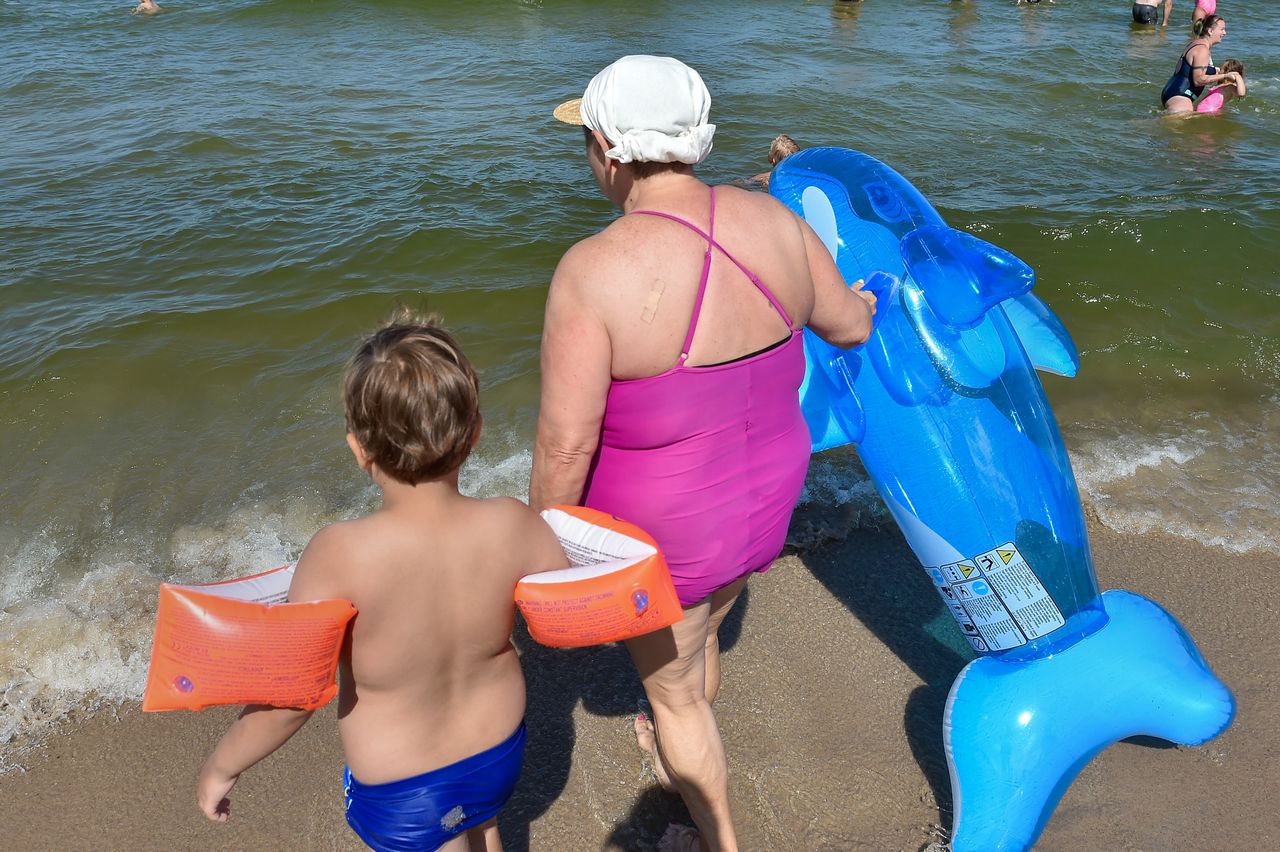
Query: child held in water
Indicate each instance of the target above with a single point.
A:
(432, 698)
(1234, 87)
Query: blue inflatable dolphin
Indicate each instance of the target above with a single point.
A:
(954, 429)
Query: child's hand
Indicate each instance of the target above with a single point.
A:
(212, 789)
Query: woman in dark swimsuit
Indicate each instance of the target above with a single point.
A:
(1195, 69)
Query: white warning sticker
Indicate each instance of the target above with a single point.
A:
(997, 599)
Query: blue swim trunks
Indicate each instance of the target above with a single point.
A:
(428, 810)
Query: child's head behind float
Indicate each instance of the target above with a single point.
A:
(781, 147)
(412, 399)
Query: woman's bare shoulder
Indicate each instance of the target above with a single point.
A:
(623, 250)
(764, 213)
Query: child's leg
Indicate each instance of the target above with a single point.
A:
(482, 838)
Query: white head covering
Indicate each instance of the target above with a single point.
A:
(653, 109)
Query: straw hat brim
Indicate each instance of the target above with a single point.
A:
(570, 112)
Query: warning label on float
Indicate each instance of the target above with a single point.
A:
(997, 599)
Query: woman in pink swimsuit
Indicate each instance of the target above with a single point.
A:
(671, 364)
(1203, 9)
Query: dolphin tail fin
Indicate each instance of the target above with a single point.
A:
(1017, 733)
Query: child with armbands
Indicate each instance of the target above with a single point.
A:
(432, 698)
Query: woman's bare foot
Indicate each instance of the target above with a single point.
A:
(647, 738)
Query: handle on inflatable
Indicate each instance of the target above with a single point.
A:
(618, 587)
(232, 643)
(885, 288)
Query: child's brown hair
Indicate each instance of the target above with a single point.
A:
(412, 399)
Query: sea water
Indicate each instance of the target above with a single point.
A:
(202, 211)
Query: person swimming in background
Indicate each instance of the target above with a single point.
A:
(1233, 88)
(1203, 9)
(146, 7)
(1146, 11)
(431, 696)
(1195, 69)
(780, 148)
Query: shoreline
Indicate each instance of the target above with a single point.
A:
(837, 666)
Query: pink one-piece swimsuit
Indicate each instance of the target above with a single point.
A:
(709, 460)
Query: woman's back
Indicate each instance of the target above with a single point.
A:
(709, 451)
(648, 283)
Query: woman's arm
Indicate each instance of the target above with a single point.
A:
(1200, 61)
(1168, 10)
(577, 359)
(841, 314)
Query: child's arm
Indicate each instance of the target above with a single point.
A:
(532, 538)
(258, 732)
(261, 729)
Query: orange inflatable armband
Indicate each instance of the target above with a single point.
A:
(239, 642)
(618, 586)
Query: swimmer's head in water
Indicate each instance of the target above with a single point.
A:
(780, 148)
(1233, 65)
(412, 399)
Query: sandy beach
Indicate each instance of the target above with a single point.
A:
(837, 667)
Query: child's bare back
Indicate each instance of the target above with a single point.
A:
(430, 675)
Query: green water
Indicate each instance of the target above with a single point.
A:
(201, 212)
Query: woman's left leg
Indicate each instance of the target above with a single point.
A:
(673, 667)
(721, 602)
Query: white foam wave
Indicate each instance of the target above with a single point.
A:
(504, 473)
(1203, 477)
(77, 608)
(1107, 462)
(75, 630)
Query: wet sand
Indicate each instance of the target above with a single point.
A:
(836, 669)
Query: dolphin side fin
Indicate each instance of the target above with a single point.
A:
(962, 276)
(1043, 336)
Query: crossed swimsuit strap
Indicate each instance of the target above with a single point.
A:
(706, 272)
